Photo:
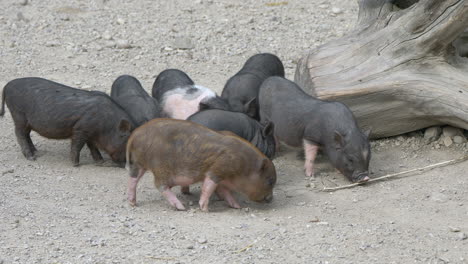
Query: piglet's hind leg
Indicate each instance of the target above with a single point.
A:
(225, 194)
(208, 188)
(310, 151)
(135, 176)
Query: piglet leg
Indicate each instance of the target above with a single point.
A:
(172, 198)
(310, 151)
(225, 194)
(208, 188)
(135, 176)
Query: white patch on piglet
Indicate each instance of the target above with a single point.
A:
(182, 102)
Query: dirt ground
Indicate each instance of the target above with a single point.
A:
(51, 212)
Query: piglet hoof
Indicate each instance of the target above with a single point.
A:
(235, 206)
(132, 203)
(309, 173)
(204, 206)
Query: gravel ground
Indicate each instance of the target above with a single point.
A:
(51, 212)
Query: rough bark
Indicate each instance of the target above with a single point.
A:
(398, 70)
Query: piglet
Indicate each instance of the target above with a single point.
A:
(241, 90)
(57, 111)
(180, 97)
(180, 153)
(305, 121)
(130, 95)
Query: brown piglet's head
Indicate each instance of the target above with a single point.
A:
(261, 181)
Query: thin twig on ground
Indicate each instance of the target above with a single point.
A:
(440, 164)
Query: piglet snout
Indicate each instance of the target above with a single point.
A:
(361, 177)
(268, 198)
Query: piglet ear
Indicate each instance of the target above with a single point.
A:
(367, 132)
(203, 106)
(339, 140)
(268, 129)
(250, 108)
(125, 126)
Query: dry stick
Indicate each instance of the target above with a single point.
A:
(440, 164)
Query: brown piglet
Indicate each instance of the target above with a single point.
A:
(180, 153)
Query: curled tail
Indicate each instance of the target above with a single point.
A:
(2, 111)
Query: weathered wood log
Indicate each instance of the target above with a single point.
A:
(398, 70)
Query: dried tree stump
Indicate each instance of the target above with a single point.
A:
(400, 69)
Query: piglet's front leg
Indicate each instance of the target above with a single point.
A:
(310, 151)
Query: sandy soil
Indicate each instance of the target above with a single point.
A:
(51, 212)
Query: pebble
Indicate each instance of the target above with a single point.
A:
(439, 197)
(190, 247)
(8, 171)
(183, 43)
(21, 17)
(109, 44)
(454, 229)
(459, 139)
(106, 35)
(432, 134)
(202, 240)
(336, 10)
(462, 236)
(23, 2)
(449, 131)
(120, 21)
(123, 44)
(447, 141)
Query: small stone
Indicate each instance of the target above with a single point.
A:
(439, 197)
(23, 2)
(64, 17)
(462, 236)
(202, 240)
(8, 171)
(21, 17)
(123, 44)
(183, 43)
(459, 139)
(432, 134)
(447, 141)
(454, 229)
(120, 21)
(336, 10)
(190, 247)
(301, 203)
(449, 131)
(106, 35)
(109, 44)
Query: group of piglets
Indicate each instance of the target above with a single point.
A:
(185, 133)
